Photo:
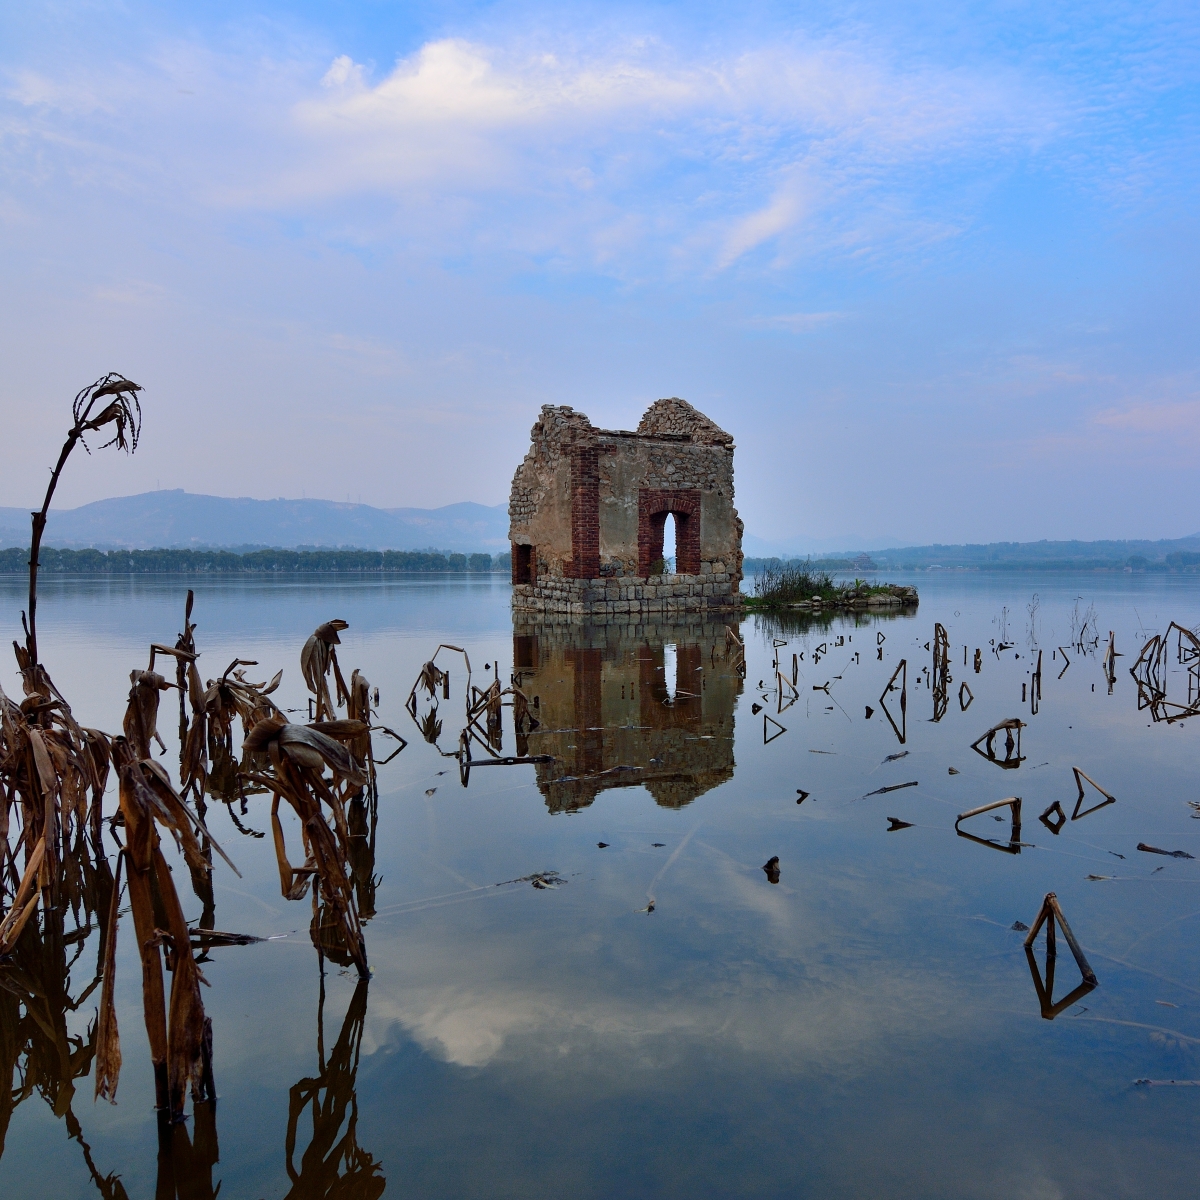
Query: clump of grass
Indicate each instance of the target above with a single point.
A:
(791, 582)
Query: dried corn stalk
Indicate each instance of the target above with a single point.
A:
(180, 1043)
(124, 413)
(297, 757)
(316, 658)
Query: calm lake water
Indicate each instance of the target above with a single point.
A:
(666, 1020)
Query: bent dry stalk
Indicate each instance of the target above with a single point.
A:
(124, 413)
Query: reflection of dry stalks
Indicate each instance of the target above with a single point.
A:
(333, 1163)
(1150, 672)
(940, 683)
(38, 1056)
(430, 726)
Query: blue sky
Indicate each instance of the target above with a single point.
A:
(934, 265)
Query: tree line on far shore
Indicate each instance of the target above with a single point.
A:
(146, 562)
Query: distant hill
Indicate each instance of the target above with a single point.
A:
(182, 519)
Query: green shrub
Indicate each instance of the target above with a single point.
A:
(790, 582)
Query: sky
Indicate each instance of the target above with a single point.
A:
(933, 265)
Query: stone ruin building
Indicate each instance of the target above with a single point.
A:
(589, 507)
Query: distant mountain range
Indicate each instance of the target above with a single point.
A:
(176, 518)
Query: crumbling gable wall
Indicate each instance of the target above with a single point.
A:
(588, 508)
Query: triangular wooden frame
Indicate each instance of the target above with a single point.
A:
(1014, 840)
(1051, 913)
(1008, 762)
(902, 731)
(1055, 827)
(1109, 798)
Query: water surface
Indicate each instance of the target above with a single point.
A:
(666, 1020)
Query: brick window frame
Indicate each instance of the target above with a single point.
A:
(654, 506)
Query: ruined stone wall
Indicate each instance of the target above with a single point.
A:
(592, 504)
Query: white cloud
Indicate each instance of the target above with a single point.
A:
(803, 127)
(626, 155)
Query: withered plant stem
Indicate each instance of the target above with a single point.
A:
(118, 411)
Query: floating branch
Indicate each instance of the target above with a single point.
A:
(894, 787)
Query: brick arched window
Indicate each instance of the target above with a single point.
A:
(654, 506)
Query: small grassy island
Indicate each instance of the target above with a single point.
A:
(800, 586)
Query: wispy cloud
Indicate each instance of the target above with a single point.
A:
(627, 152)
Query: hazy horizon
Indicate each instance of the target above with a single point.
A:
(932, 268)
(122, 522)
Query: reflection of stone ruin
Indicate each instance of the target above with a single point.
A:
(589, 507)
(627, 706)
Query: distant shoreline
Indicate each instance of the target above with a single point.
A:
(53, 562)
(14, 561)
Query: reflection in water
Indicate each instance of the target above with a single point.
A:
(600, 702)
(1013, 757)
(1051, 913)
(333, 1164)
(185, 1162)
(612, 709)
(37, 1054)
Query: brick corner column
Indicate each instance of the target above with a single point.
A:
(585, 514)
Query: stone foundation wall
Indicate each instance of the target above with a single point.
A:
(659, 595)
